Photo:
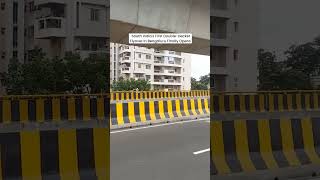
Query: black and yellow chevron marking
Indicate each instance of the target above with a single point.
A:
(40, 109)
(133, 112)
(261, 102)
(66, 154)
(251, 145)
(119, 96)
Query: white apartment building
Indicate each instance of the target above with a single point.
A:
(56, 26)
(234, 44)
(164, 69)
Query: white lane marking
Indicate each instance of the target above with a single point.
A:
(158, 125)
(201, 151)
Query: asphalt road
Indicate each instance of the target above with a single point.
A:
(164, 152)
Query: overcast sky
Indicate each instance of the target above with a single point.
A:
(200, 65)
(287, 22)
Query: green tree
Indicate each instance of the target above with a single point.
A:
(131, 84)
(199, 85)
(294, 72)
(41, 75)
(97, 73)
(205, 79)
(269, 71)
(13, 79)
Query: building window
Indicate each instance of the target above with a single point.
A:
(94, 46)
(94, 13)
(139, 65)
(235, 82)
(3, 55)
(85, 45)
(15, 37)
(235, 55)
(78, 6)
(148, 66)
(236, 26)
(3, 6)
(139, 55)
(148, 56)
(41, 24)
(15, 12)
(3, 31)
(236, 3)
(32, 6)
(31, 31)
(15, 54)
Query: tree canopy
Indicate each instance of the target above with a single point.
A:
(294, 71)
(202, 84)
(71, 74)
(131, 84)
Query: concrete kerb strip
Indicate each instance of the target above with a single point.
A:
(301, 172)
(150, 123)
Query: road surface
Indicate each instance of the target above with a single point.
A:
(162, 152)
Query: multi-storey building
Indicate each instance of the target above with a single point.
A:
(234, 44)
(163, 69)
(114, 62)
(56, 26)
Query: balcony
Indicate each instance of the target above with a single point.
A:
(219, 56)
(50, 27)
(46, 2)
(166, 82)
(167, 63)
(167, 72)
(220, 8)
(125, 70)
(219, 82)
(125, 59)
(219, 4)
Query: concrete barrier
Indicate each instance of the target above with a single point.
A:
(55, 154)
(265, 101)
(251, 145)
(131, 113)
(138, 95)
(55, 137)
(24, 109)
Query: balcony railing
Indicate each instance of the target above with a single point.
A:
(158, 80)
(126, 69)
(50, 27)
(126, 58)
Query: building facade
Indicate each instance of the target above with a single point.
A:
(163, 69)
(234, 45)
(56, 26)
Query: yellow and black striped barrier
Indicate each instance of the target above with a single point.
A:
(131, 112)
(46, 147)
(55, 154)
(138, 95)
(24, 109)
(265, 101)
(251, 145)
